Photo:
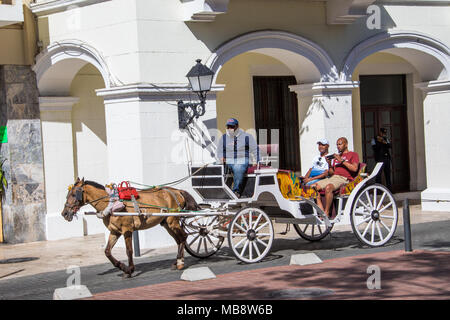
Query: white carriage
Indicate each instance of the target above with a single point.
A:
(370, 208)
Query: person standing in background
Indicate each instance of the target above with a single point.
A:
(381, 145)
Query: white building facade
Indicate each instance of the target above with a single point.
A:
(110, 74)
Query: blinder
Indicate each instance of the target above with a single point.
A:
(79, 194)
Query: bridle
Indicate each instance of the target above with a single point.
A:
(79, 193)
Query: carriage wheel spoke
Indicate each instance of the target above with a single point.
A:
(193, 240)
(257, 221)
(374, 198)
(306, 227)
(313, 227)
(205, 244)
(365, 205)
(262, 242)
(245, 223)
(367, 228)
(262, 226)
(250, 224)
(364, 220)
(211, 242)
(263, 234)
(250, 250)
(379, 232)
(387, 217)
(385, 207)
(381, 201)
(199, 244)
(386, 227)
(239, 227)
(239, 243)
(320, 229)
(372, 236)
(368, 199)
(239, 234)
(245, 248)
(256, 248)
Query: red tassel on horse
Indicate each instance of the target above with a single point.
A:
(126, 191)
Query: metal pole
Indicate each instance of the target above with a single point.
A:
(407, 226)
(137, 249)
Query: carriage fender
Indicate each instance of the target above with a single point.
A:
(359, 187)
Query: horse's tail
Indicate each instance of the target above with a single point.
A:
(190, 203)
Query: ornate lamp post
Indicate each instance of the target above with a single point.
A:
(200, 78)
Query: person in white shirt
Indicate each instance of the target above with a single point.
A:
(319, 169)
(234, 149)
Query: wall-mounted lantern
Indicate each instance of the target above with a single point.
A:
(200, 78)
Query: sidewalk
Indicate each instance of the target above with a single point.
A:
(416, 275)
(25, 259)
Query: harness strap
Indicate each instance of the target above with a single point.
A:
(174, 196)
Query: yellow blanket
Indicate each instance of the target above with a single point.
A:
(290, 186)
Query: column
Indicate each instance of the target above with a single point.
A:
(145, 144)
(325, 111)
(56, 120)
(436, 197)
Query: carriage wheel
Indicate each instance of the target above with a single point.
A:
(312, 232)
(374, 215)
(201, 242)
(250, 235)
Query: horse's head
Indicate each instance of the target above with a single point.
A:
(75, 200)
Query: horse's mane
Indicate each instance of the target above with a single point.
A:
(94, 184)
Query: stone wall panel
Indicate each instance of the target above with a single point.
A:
(24, 207)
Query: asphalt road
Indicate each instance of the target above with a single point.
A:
(153, 270)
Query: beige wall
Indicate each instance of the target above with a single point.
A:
(19, 41)
(89, 128)
(237, 99)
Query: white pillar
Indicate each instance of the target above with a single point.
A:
(145, 144)
(437, 153)
(56, 120)
(325, 111)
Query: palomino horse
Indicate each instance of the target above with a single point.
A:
(89, 192)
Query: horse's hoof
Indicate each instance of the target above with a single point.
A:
(174, 267)
(126, 275)
(180, 267)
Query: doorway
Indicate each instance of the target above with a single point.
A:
(276, 108)
(383, 105)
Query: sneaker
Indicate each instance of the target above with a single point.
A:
(237, 194)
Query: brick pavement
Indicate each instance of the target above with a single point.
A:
(416, 275)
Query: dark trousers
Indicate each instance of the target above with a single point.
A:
(387, 172)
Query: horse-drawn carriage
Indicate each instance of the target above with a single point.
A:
(268, 196)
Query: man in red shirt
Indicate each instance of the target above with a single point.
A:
(343, 169)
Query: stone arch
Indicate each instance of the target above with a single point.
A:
(291, 49)
(60, 62)
(428, 55)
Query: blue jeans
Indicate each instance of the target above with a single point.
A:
(239, 171)
(314, 173)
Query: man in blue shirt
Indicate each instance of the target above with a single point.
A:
(234, 149)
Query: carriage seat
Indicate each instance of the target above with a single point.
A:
(346, 189)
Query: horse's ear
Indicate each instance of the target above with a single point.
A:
(82, 181)
(78, 179)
